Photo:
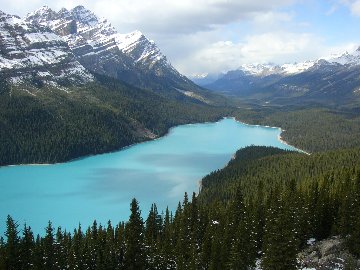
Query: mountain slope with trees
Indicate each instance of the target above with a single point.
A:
(47, 125)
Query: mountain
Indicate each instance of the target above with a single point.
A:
(333, 80)
(205, 78)
(32, 54)
(131, 57)
(53, 108)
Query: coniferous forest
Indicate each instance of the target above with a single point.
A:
(99, 117)
(242, 214)
(265, 209)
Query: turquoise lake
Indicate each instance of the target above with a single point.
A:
(101, 187)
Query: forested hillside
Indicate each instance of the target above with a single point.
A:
(265, 205)
(47, 125)
(311, 129)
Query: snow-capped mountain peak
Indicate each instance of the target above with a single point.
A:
(97, 45)
(32, 52)
(125, 41)
(259, 69)
(100, 48)
(271, 69)
(85, 16)
(263, 70)
(297, 67)
(346, 58)
(85, 32)
(42, 14)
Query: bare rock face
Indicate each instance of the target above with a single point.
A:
(34, 54)
(329, 254)
(130, 57)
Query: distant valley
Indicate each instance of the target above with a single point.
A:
(332, 81)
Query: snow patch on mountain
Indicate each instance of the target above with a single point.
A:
(344, 59)
(97, 45)
(297, 67)
(96, 35)
(29, 52)
(271, 69)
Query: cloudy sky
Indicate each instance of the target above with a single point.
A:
(211, 36)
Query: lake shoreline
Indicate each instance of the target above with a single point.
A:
(116, 150)
(280, 138)
(155, 171)
(157, 138)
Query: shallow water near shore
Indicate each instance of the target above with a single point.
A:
(101, 187)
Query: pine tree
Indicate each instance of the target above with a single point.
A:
(206, 246)
(216, 260)
(153, 226)
(135, 257)
(2, 254)
(195, 232)
(27, 246)
(166, 242)
(109, 254)
(75, 255)
(354, 239)
(184, 248)
(120, 245)
(49, 254)
(38, 254)
(153, 231)
(280, 242)
(60, 247)
(242, 249)
(176, 225)
(73, 259)
(11, 251)
(210, 254)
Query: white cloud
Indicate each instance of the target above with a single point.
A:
(185, 16)
(277, 47)
(353, 5)
(355, 8)
(208, 35)
(155, 16)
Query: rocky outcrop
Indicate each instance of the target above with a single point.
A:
(97, 45)
(34, 54)
(329, 254)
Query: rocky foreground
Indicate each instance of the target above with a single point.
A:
(327, 254)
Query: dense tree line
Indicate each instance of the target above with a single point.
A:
(241, 215)
(47, 125)
(311, 129)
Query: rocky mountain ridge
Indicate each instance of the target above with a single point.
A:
(345, 59)
(33, 53)
(333, 80)
(97, 45)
